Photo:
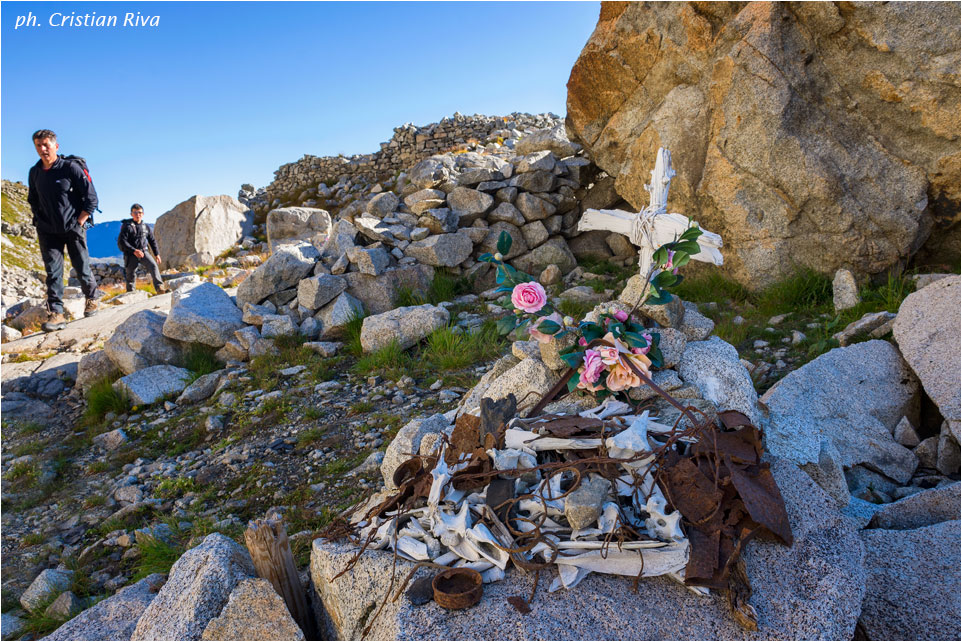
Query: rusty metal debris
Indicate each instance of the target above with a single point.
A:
(457, 588)
(611, 490)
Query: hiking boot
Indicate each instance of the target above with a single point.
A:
(91, 307)
(162, 289)
(55, 321)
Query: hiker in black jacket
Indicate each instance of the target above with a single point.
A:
(136, 240)
(62, 197)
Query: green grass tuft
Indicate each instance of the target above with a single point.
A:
(200, 360)
(103, 398)
(806, 289)
(390, 361)
(352, 335)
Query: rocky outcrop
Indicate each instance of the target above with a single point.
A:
(139, 342)
(912, 584)
(851, 397)
(820, 134)
(202, 314)
(199, 229)
(406, 326)
(196, 591)
(291, 224)
(254, 611)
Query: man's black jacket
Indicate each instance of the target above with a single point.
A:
(136, 236)
(58, 195)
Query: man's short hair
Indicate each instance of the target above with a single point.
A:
(136, 206)
(42, 134)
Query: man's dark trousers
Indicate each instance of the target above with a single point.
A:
(52, 251)
(147, 261)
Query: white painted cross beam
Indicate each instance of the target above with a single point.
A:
(652, 227)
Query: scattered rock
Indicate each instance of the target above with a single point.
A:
(202, 388)
(714, 368)
(151, 384)
(111, 440)
(64, 607)
(406, 325)
(93, 367)
(407, 442)
(584, 505)
(44, 587)
(138, 343)
(925, 508)
(441, 250)
(203, 314)
(317, 291)
(844, 290)
(283, 270)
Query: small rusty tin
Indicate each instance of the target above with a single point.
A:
(457, 588)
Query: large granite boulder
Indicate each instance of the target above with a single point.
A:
(406, 325)
(115, 617)
(852, 397)
(198, 587)
(931, 506)
(201, 225)
(554, 251)
(927, 330)
(812, 590)
(283, 270)
(203, 314)
(139, 342)
(820, 134)
(50, 583)
(292, 224)
(912, 584)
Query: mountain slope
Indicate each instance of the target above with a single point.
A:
(20, 256)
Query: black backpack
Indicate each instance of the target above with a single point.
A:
(81, 162)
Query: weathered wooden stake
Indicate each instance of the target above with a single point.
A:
(271, 551)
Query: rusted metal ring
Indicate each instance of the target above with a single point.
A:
(457, 588)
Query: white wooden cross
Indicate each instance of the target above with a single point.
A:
(653, 226)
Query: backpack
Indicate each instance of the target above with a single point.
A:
(81, 162)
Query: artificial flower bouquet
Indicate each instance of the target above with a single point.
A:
(610, 354)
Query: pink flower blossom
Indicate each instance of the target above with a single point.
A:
(621, 315)
(582, 341)
(671, 255)
(610, 355)
(529, 297)
(541, 337)
(593, 366)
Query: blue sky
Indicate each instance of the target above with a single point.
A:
(223, 93)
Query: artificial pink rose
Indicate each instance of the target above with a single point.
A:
(541, 337)
(608, 354)
(671, 256)
(582, 341)
(640, 361)
(593, 366)
(621, 315)
(529, 297)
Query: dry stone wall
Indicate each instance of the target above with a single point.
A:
(293, 182)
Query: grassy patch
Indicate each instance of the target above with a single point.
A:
(155, 557)
(575, 309)
(308, 437)
(806, 289)
(352, 335)
(103, 398)
(448, 350)
(170, 488)
(713, 286)
(390, 361)
(200, 360)
(360, 408)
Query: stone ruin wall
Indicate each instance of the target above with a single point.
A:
(407, 146)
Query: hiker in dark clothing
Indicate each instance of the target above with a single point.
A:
(137, 242)
(62, 198)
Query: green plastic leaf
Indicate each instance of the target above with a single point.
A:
(660, 297)
(487, 257)
(664, 280)
(691, 247)
(506, 325)
(549, 327)
(691, 234)
(681, 259)
(504, 242)
(591, 331)
(573, 382)
(573, 359)
(503, 289)
(657, 361)
(660, 256)
(636, 340)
